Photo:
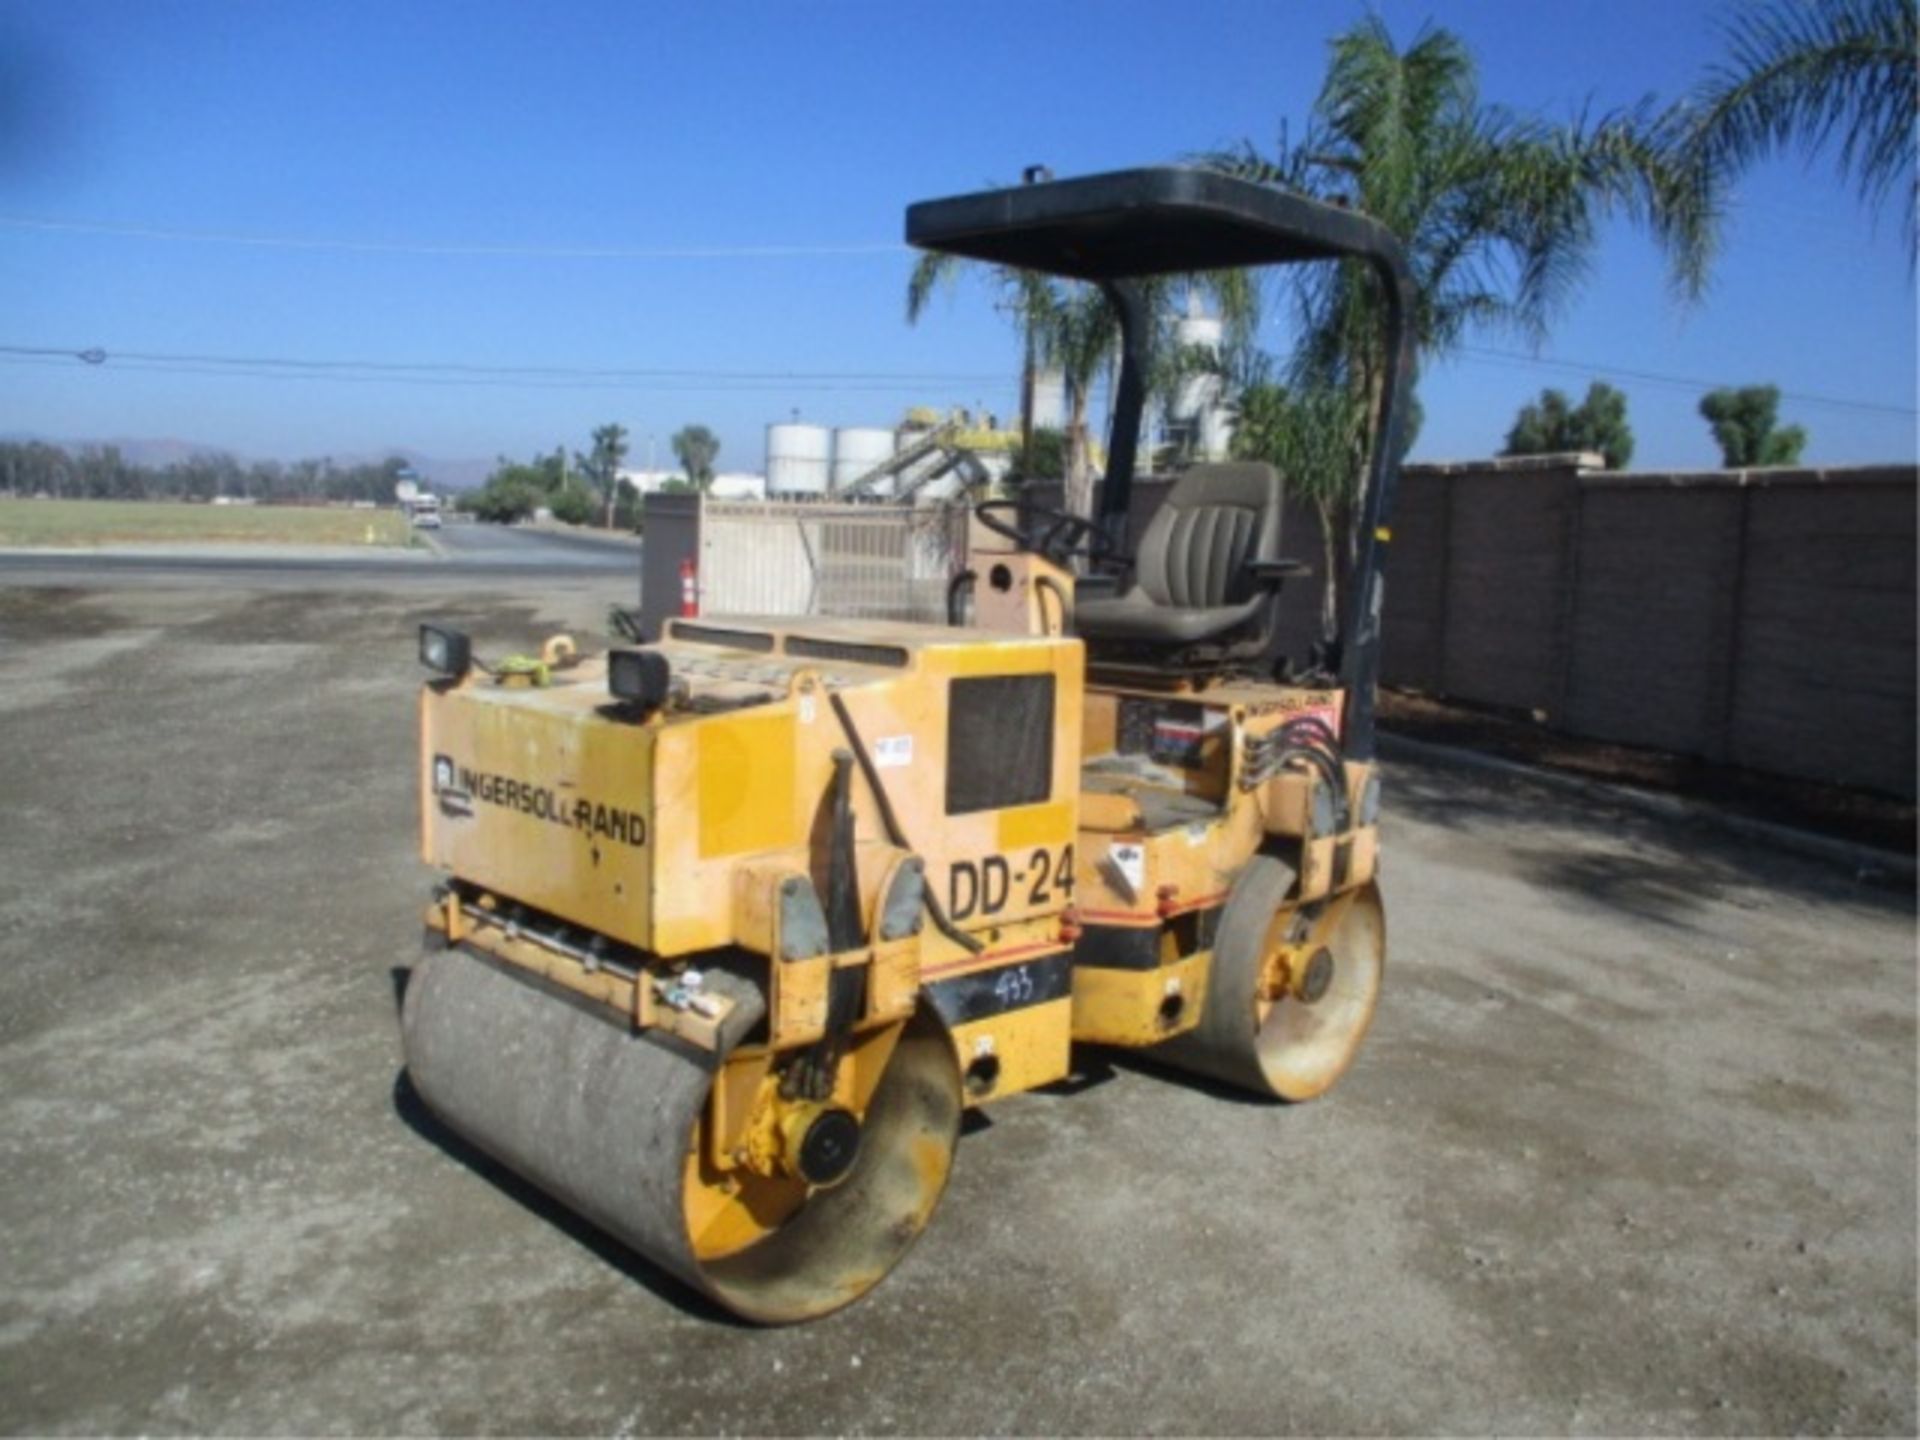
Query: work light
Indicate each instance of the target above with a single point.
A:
(639, 677)
(447, 651)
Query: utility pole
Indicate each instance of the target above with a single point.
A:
(1032, 175)
(1026, 409)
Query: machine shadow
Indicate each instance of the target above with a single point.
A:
(1092, 1068)
(1140, 1062)
(1663, 869)
(415, 1115)
(1097, 1065)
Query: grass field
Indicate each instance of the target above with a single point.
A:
(143, 522)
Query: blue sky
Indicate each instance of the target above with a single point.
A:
(544, 131)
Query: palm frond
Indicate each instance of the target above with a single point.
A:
(932, 271)
(1245, 163)
(1800, 73)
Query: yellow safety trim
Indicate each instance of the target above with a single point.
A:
(1013, 659)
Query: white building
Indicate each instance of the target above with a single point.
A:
(738, 485)
(727, 484)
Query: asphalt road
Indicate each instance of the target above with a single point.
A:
(466, 551)
(541, 549)
(1631, 1148)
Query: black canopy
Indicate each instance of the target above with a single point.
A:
(1114, 229)
(1145, 222)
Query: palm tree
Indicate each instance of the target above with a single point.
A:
(696, 447)
(1070, 327)
(1499, 213)
(601, 465)
(1806, 72)
(1305, 433)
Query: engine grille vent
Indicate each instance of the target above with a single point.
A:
(753, 640)
(891, 656)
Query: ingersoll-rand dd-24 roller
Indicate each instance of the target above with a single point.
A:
(736, 925)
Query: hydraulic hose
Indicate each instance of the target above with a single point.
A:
(892, 822)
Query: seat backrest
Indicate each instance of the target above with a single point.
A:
(1195, 552)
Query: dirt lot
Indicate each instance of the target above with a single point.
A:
(1631, 1148)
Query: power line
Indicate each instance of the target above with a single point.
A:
(1513, 359)
(629, 387)
(663, 384)
(99, 356)
(684, 379)
(409, 247)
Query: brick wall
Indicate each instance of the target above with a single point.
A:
(1762, 618)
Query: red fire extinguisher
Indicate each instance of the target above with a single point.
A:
(689, 589)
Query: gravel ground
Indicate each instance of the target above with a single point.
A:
(1631, 1148)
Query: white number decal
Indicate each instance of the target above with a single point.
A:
(1013, 987)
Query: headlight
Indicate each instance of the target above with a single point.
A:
(639, 677)
(447, 651)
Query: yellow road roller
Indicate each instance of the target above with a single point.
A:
(737, 924)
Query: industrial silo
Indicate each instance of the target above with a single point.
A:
(1216, 431)
(798, 459)
(857, 449)
(1049, 400)
(1196, 336)
(1198, 419)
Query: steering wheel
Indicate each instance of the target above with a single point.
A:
(1055, 535)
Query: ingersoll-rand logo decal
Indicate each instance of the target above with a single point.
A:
(456, 788)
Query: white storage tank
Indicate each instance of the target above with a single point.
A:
(798, 459)
(858, 449)
(1049, 400)
(1199, 392)
(1216, 432)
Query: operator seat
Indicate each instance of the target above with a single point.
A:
(1193, 596)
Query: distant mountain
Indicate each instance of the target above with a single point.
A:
(153, 453)
(442, 474)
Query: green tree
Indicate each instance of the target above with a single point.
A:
(515, 490)
(1500, 213)
(695, 447)
(506, 499)
(1743, 422)
(544, 474)
(1552, 425)
(574, 504)
(1304, 433)
(626, 507)
(1078, 334)
(1043, 457)
(1808, 72)
(103, 472)
(1070, 327)
(601, 465)
(103, 475)
(1064, 326)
